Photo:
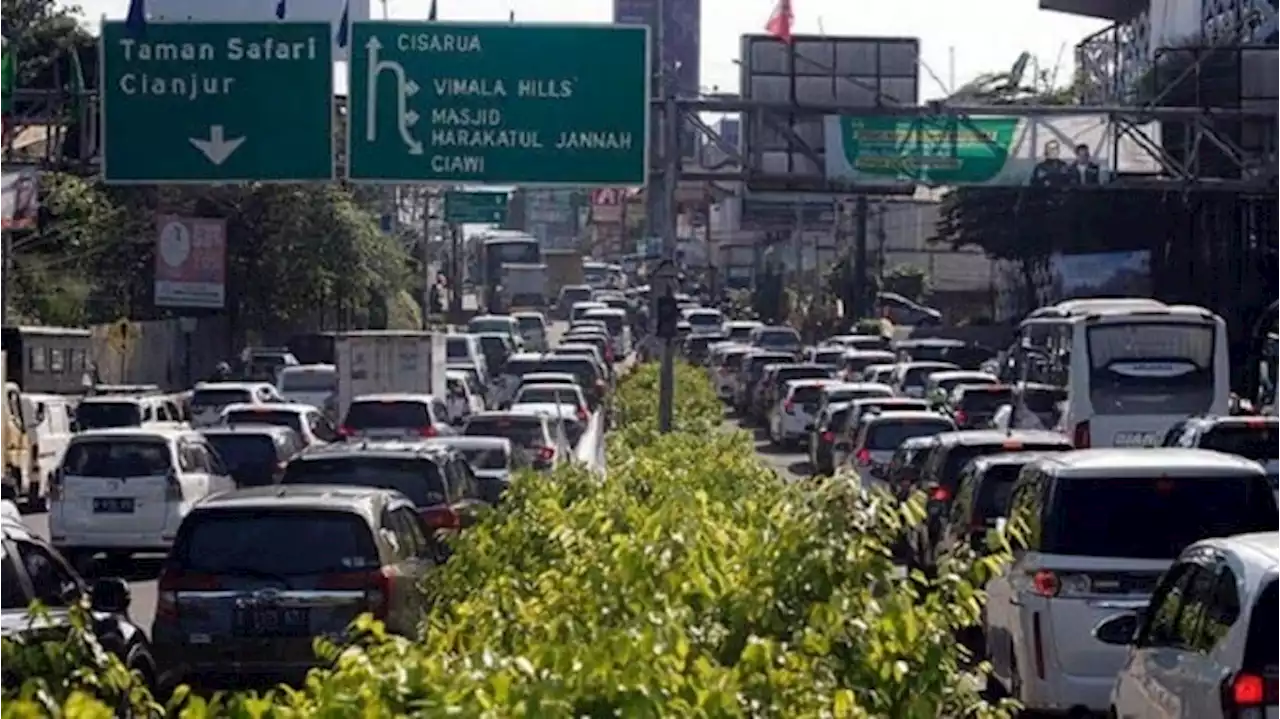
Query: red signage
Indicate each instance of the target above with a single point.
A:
(191, 262)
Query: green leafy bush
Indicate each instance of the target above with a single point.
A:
(691, 581)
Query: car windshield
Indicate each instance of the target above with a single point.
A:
(1260, 443)
(117, 458)
(548, 395)
(888, 435)
(487, 458)
(387, 415)
(1096, 517)
(103, 415)
(219, 398)
(309, 380)
(273, 542)
(275, 418)
(242, 451)
(416, 478)
(524, 432)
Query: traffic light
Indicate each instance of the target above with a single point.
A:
(668, 317)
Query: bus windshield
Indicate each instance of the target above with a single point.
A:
(1151, 368)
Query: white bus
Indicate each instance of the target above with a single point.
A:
(1131, 370)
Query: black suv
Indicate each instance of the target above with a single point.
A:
(33, 570)
(435, 477)
(1251, 437)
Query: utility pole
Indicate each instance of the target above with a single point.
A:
(455, 270)
(428, 277)
(862, 294)
(670, 180)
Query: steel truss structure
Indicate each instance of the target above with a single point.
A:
(1194, 127)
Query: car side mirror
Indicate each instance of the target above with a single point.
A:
(1120, 630)
(110, 595)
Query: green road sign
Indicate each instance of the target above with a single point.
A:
(475, 207)
(217, 102)
(498, 103)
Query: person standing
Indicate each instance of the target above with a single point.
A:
(1052, 171)
(1083, 170)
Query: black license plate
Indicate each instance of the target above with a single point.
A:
(113, 505)
(272, 622)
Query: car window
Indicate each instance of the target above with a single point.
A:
(807, 394)
(218, 398)
(1259, 443)
(1094, 517)
(416, 478)
(117, 458)
(52, 582)
(993, 493)
(549, 395)
(524, 432)
(486, 458)
(408, 529)
(985, 400)
(104, 415)
(321, 427)
(389, 414)
(1260, 648)
(1162, 627)
(1212, 607)
(275, 418)
(244, 451)
(274, 541)
(12, 595)
(889, 434)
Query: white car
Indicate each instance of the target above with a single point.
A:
(462, 402)
(125, 491)
(533, 328)
(1205, 648)
(492, 462)
(1101, 527)
(309, 422)
(210, 398)
(792, 418)
(313, 384)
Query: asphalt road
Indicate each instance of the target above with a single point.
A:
(791, 464)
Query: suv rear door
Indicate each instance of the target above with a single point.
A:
(115, 485)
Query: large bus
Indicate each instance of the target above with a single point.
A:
(508, 248)
(1131, 370)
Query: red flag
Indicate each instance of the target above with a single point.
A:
(779, 24)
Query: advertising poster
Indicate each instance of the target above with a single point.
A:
(191, 262)
(982, 151)
(1101, 274)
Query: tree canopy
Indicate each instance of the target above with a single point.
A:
(298, 256)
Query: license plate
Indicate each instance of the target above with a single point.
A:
(272, 622)
(1136, 439)
(113, 505)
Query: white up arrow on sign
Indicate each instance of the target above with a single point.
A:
(217, 148)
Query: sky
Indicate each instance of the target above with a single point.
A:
(980, 35)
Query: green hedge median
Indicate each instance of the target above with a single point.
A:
(689, 582)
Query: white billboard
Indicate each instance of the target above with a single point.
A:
(329, 11)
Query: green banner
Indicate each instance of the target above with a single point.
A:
(987, 150)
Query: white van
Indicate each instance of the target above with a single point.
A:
(313, 384)
(1101, 526)
(125, 491)
(48, 419)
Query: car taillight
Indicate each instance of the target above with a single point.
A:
(172, 487)
(600, 385)
(428, 431)
(441, 517)
(789, 407)
(940, 494)
(863, 456)
(582, 414)
(376, 586)
(546, 454)
(345, 431)
(1246, 690)
(55, 485)
(961, 417)
(1045, 583)
(1081, 438)
(175, 581)
(829, 437)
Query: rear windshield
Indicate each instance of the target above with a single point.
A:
(740, 333)
(273, 542)
(757, 362)
(952, 383)
(993, 495)
(417, 479)
(205, 398)
(499, 326)
(571, 295)
(309, 381)
(103, 415)
(457, 348)
(480, 459)
(275, 418)
(858, 363)
(387, 415)
(521, 366)
(117, 458)
(524, 432)
(807, 394)
(240, 451)
(980, 400)
(1153, 518)
(888, 435)
(732, 361)
(548, 395)
(705, 319)
(1257, 443)
(613, 322)
(959, 455)
(779, 337)
(1260, 648)
(790, 373)
(917, 376)
(1043, 401)
(828, 356)
(583, 369)
(528, 323)
(838, 418)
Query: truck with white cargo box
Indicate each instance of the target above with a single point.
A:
(376, 362)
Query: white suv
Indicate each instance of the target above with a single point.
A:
(1100, 527)
(1206, 645)
(125, 491)
(791, 419)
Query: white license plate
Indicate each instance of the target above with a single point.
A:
(113, 505)
(1136, 439)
